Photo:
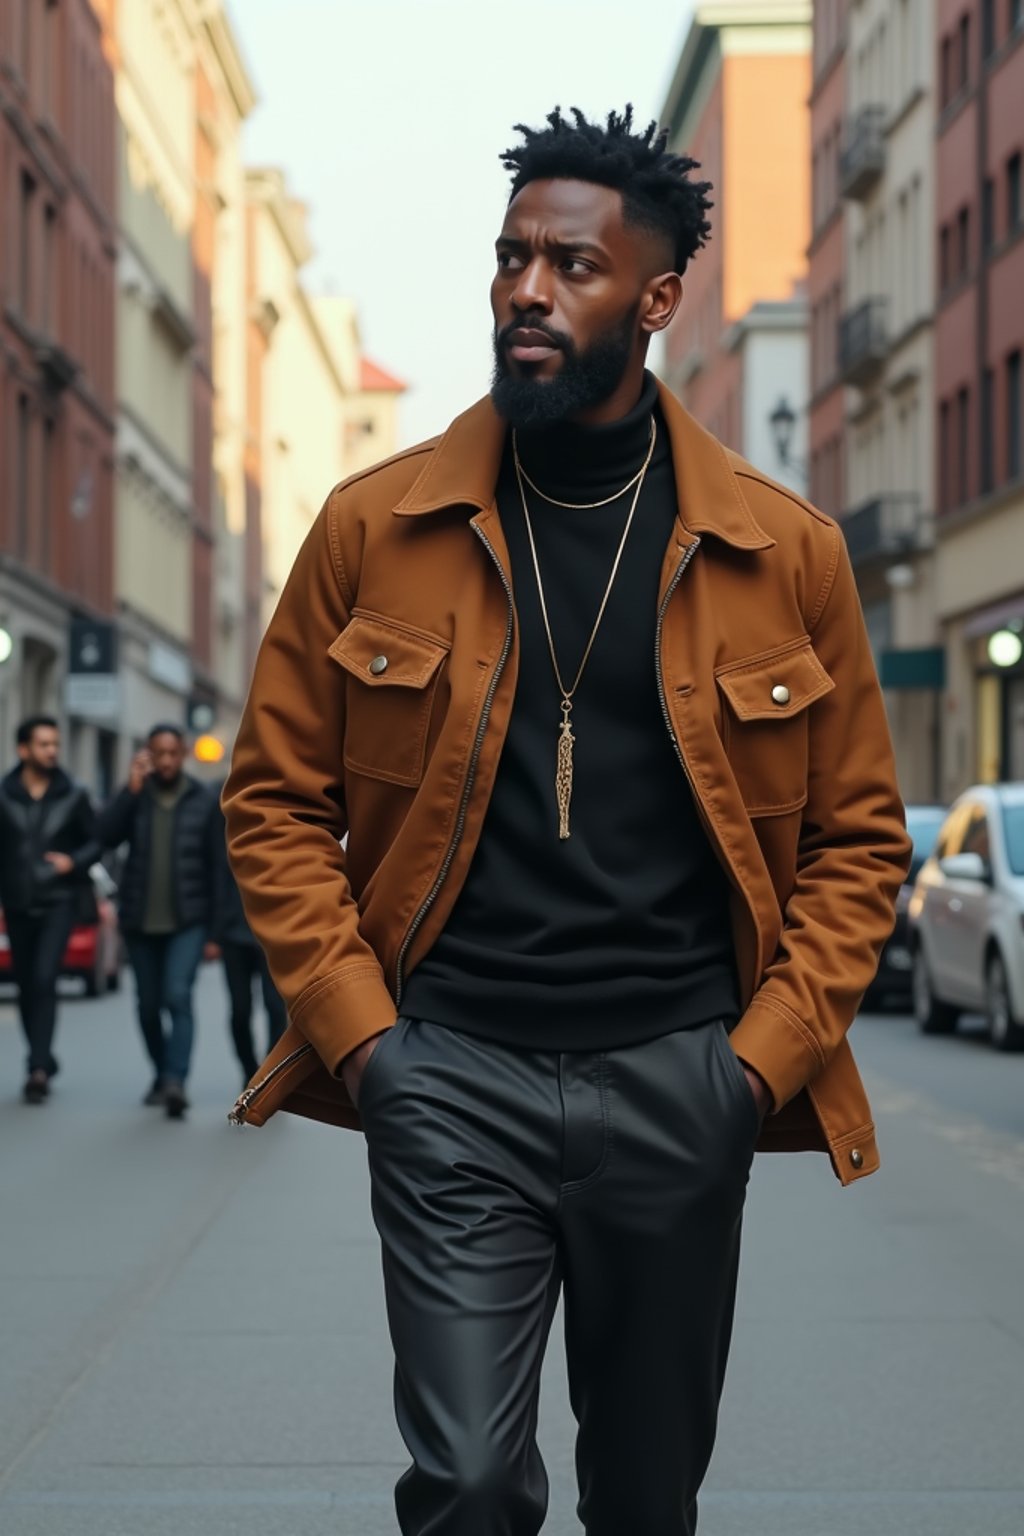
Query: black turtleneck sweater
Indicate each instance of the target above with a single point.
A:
(621, 932)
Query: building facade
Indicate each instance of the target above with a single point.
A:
(738, 105)
(885, 363)
(306, 375)
(978, 458)
(57, 266)
(228, 485)
(826, 261)
(157, 340)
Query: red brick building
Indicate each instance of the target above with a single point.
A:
(979, 346)
(57, 261)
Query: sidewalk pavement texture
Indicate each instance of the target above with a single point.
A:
(193, 1340)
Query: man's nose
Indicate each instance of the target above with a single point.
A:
(533, 290)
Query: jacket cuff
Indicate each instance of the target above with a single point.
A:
(779, 1047)
(338, 1013)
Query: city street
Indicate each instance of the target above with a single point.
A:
(192, 1334)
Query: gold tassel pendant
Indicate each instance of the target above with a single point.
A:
(563, 773)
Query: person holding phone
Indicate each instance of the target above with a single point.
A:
(168, 820)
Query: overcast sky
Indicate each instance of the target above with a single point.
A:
(389, 116)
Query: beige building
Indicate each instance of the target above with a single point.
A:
(302, 383)
(886, 174)
(230, 97)
(371, 421)
(155, 337)
(324, 411)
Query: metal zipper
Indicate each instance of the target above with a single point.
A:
(701, 812)
(680, 568)
(470, 776)
(241, 1107)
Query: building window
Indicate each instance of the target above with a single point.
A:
(988, 27)
(26, 40)
(28, 193)
(47, 441)
(947, 69)
(945, 455)
(963, 427)
(1014, 425)
(1014, 210)
(49, 267)
(944, 271)
(1016, 15)
(963, 242)
(964, 59)
(988, 207)
(988, 387)
(21, 476)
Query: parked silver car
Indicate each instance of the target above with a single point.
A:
(967, 917)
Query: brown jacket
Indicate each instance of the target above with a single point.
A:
(768, 689)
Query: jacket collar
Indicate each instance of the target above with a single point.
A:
(463, 470)
(60, 784)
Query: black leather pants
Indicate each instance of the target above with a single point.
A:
(500, 1176)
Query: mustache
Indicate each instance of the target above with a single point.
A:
(525, 323)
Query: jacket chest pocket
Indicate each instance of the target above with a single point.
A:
(392, 678)
(766, 724)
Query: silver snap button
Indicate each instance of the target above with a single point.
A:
(857, 1157)
(378, 665)
(780, 693)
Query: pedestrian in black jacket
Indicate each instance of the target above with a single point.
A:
(244, 961)
(47, 843)
(168, 820)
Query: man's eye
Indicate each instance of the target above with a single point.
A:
(507, 262)
(575, 264)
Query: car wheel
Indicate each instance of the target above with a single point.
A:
(94, 982)
(933, 1016)
(114, 978)
(1006, 1033)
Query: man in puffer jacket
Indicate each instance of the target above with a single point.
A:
(168, 819)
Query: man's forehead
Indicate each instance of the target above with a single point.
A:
(569, 209)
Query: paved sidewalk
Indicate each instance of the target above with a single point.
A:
(192, 1333)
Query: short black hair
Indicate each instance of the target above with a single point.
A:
(28, 728)
(165, 728)
(657, 193)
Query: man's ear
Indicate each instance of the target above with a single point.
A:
(661, 298)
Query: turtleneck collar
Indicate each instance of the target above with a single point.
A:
(580, 463)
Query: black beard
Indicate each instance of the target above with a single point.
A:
(585, 379)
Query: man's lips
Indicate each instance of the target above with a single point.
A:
(528, 346)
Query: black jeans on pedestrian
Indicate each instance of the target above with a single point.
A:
(165, 967)
(501, 1177)
(38, 942)
(243, 964)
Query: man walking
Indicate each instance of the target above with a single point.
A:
(47, 843)
(594, 702)
(168, 820)
(244, 961)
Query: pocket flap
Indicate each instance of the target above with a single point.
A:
(385, 655)
(776, 685)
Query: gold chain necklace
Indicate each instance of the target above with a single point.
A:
(566, 739)
(576, 506)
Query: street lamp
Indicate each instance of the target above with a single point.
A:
(783, 422)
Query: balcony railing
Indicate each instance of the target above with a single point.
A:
(887, 528)
(863, 341)
(863, 158)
